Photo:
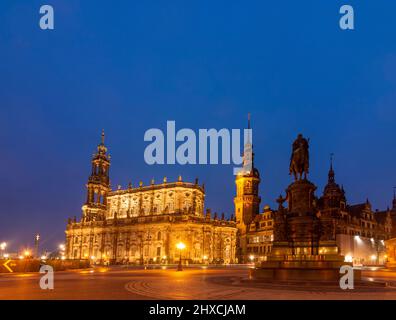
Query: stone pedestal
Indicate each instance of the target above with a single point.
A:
(309, 268)
(304, 248)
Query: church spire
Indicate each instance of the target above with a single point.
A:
(394, 199)
(331, 171)
(102, 150)
(248, 151)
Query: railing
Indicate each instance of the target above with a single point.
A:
(175, 217)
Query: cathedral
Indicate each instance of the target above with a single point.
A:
(144, 224)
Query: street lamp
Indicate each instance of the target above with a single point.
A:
(36, 243)
(3, 245)
(181, 246)
(62, 249)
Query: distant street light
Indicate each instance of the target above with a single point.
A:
(181, 246)
(62, 249)
(3, 245)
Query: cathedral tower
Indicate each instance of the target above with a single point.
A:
(98, 185)
(247, 200)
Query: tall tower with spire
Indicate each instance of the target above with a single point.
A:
(333, 196)
(247, 200)
(98, 185)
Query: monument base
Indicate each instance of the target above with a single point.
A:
(303, 268)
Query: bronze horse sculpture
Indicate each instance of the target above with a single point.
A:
(299, 162)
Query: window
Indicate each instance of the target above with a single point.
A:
(159, 235)
(158, 251)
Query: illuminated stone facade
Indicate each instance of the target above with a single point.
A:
(144, 224)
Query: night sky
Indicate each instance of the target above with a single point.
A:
(128, 66)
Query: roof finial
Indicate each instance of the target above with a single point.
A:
(394, 193)
(249, 130)
(331, 171)
(103, 136)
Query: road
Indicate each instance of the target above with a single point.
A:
(192, 283)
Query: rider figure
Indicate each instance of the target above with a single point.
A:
(299, 162)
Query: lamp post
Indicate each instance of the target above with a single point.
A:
(36, 243)
(3, 245)
(27, 254)
(62, 249)
(180, 246)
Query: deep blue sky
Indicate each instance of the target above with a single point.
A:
(127, 66)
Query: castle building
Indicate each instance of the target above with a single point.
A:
(359, 231)
(144, 224)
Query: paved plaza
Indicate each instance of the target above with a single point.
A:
(195, 283)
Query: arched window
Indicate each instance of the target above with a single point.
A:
(159, 235)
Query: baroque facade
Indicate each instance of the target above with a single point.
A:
(143, 224)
